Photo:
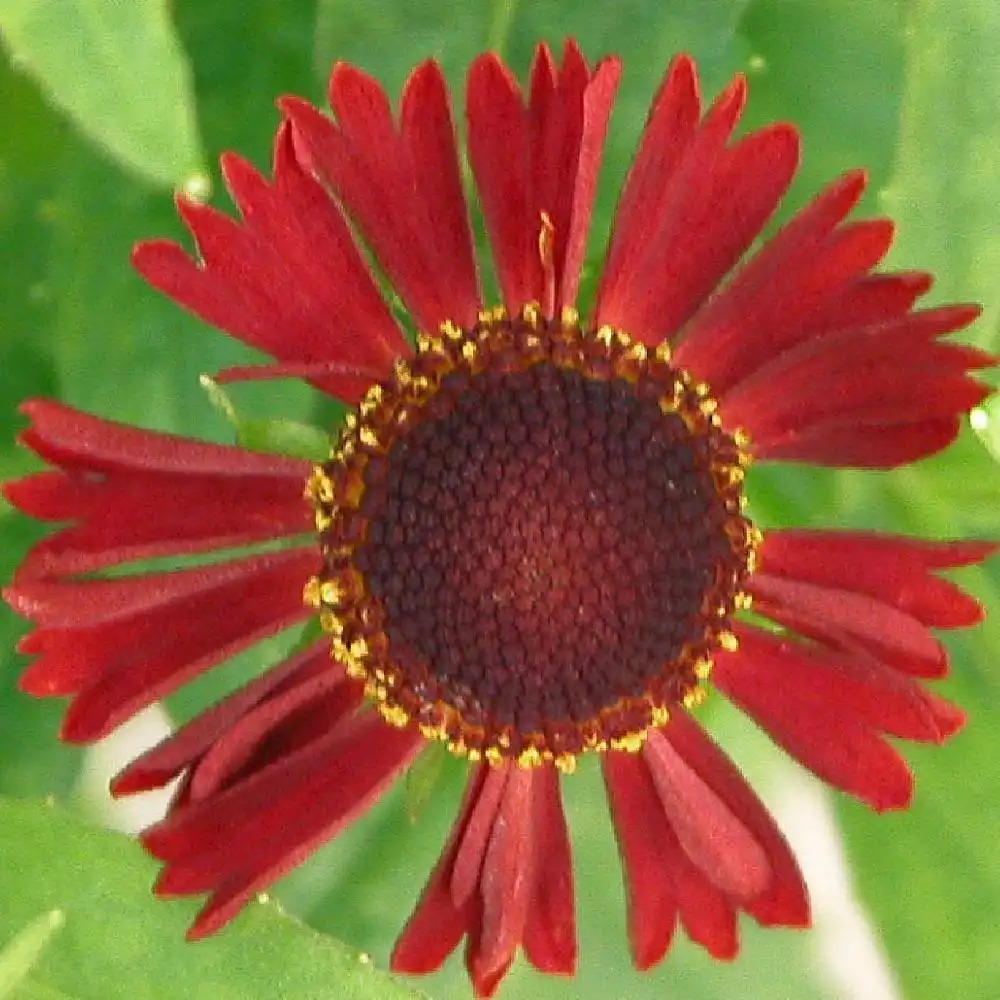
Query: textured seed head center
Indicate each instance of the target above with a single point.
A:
(545, 547)
(532, 539)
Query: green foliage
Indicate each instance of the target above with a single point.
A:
(118, 71)
(21, 953)
(117, 943)
(935, 878)
(101, 98)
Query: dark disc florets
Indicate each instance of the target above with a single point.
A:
(533, 539)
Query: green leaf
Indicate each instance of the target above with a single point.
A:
(120, 943)
(931, 876)
(118, 71)
(847, 108)
(945, 192)
(21, 953)
(452, 31)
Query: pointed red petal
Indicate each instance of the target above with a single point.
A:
(400, 185)
(506, 882)
(329, 785)
(162, 763)
(716, 840)
(767, 305)
(785, 901)
(669, 132)
(831, 741)
(276, 280)
(119, 666)
(641, 829)
(550, 930)
(893, 569)
(436, 926)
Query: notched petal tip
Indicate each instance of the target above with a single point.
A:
(785, 139)
(425, 80)
(948, 718)
(682, 74)
(352, 91)
(489, 70)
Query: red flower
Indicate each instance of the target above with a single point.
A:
(532, 536)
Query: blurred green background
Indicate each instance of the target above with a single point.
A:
(106, 106)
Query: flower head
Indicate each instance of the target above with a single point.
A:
(531, 539)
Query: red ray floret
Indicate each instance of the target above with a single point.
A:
(868, 592)
(815, 357)
(821, 361)
(119, 644)
(860, 608)
(505, 879)
(400, 184)
(288, 280)
(186, 747)
(697, 846)
(304, 767)
(873, 379)
(134, 494)
(691, 206)
(539, 156)
(831, 712)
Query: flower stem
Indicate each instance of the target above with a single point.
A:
(500, 22)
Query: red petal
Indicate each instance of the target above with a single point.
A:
(506, 882)
(342, 761)
(492, 884)
(662, 881)
(879, 624)
(543, 158)
(428, 131)
(73, 439)
(769, 303)
(282, 723)
(402, 187)
(568, 117)
(499, 153)
(723, 198)
(824, 736)
(550, 930)
(467, 864)
(294, 806)
(863, 446)
(642, 829)
(892, 569)
(161, 764)
(869, 691)
(715, 839)
(706, 914)
(276, 281)
(175, 626)
(894, 373)
(669, 133)
(785, 901)
(437, 924)
(873, 298)
(138, 494)
(598, 99)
